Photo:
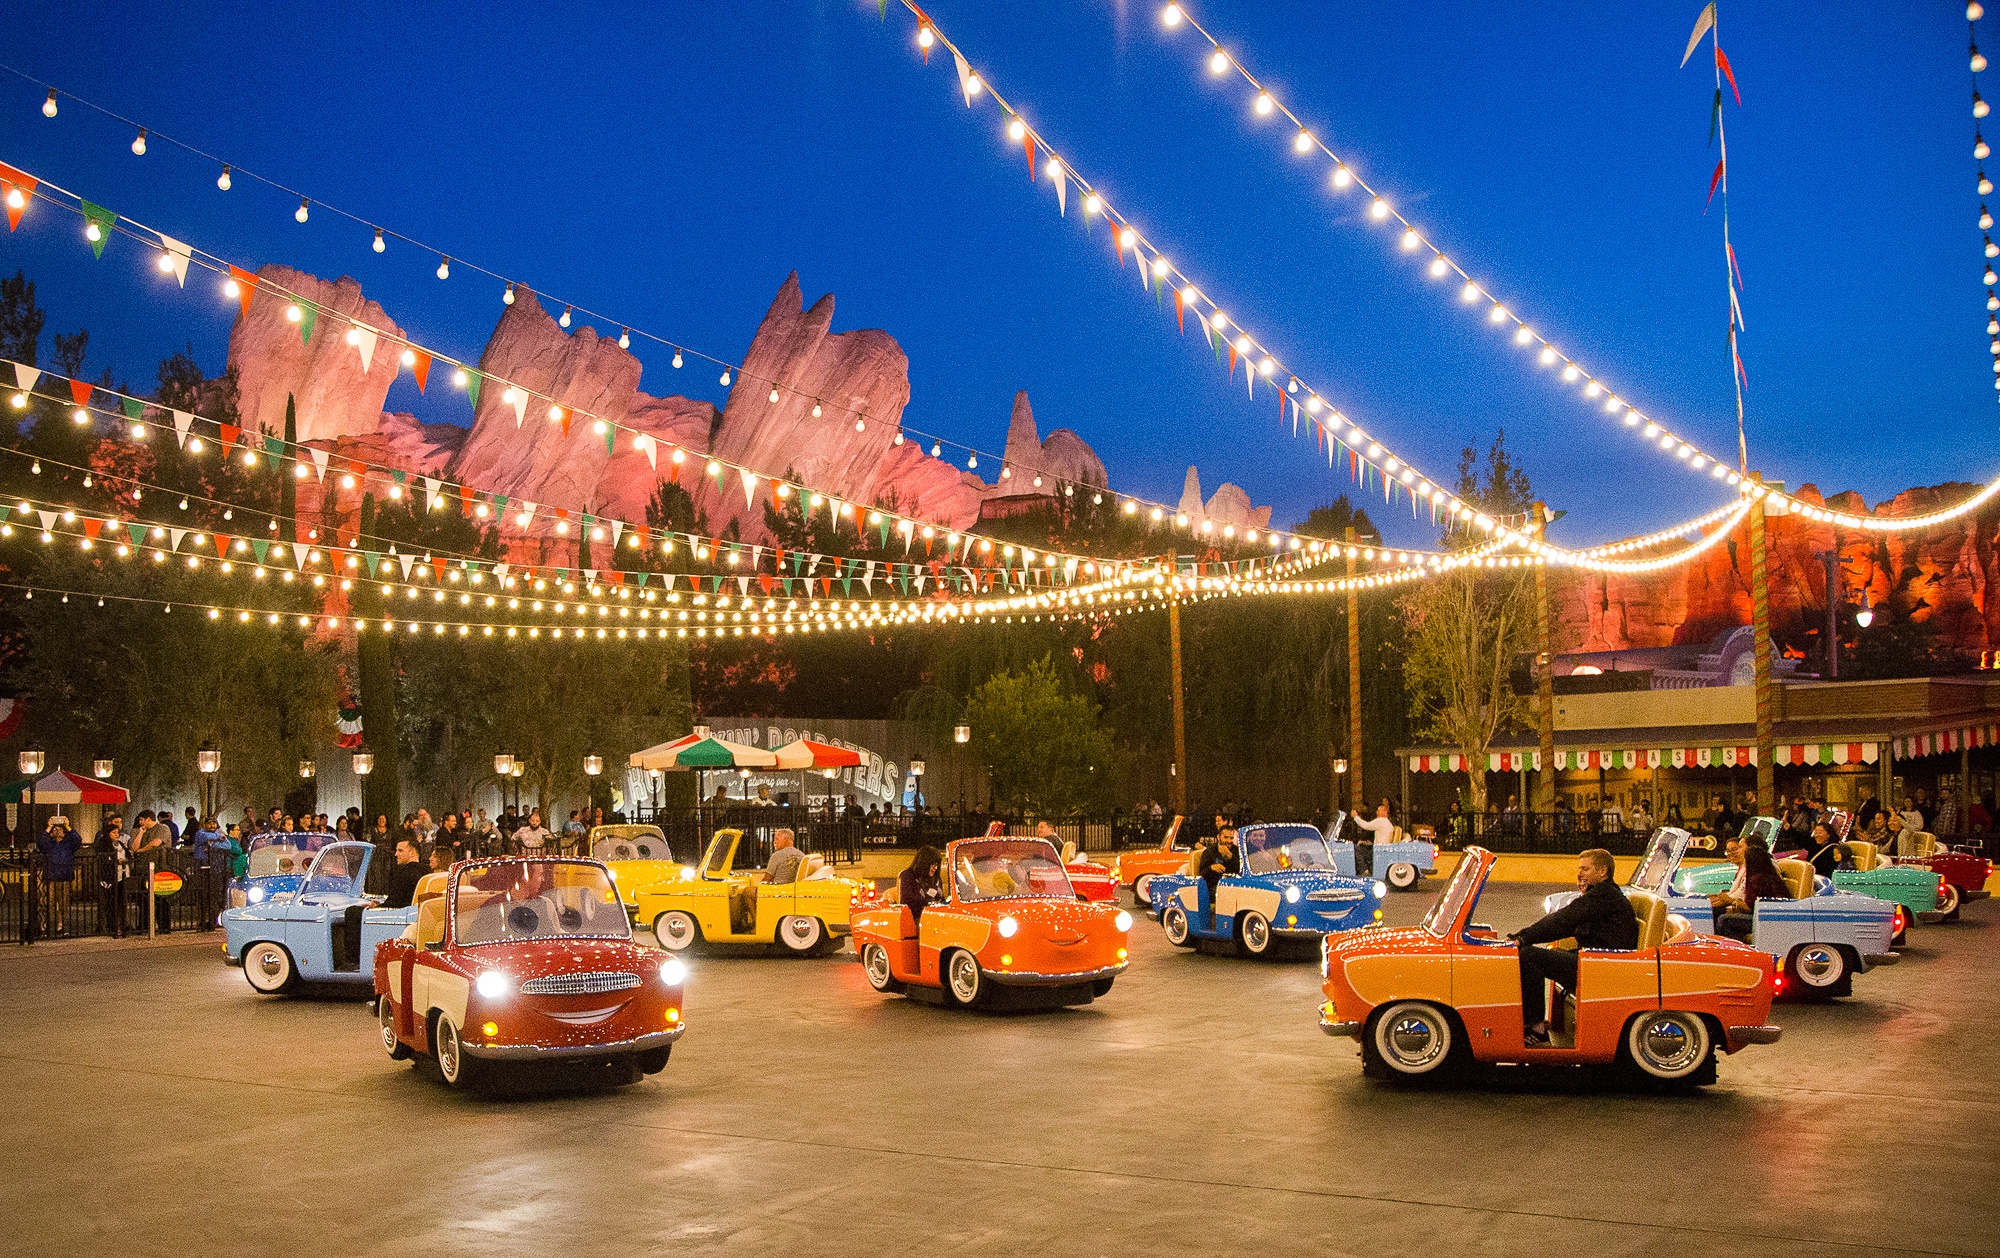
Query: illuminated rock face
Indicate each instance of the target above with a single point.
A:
(1230, 506)
(336, 397)
(1940, 575)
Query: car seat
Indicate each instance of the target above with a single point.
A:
(1651, 912)
(1069, 852)
(1866, 855)
(428, 929)
(1798, 875)
(430, 886)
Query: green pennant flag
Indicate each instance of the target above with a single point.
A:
(881, 10)
(1715, 117)
(717, 587)
(788, 585)
(639, 579)
(373, 560)
(308, 316)
(588, 520)
(137, 533)
(500, 503)
(134, 408)
(274, 449)
(103, 220)
(260, 547)
(397, 475)
(610, 439)
(472, 382)
(847, 586)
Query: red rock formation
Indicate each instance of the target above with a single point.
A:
(336, 397)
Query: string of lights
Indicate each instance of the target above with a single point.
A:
(1419, 243)
(1980, 152)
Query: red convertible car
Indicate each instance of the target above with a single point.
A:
(527, 960)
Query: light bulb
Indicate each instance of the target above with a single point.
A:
(1410, 238)
(860, 425)
(293, 314)
(1342, 176)
(973, 85)
(1303, 142)
(379, 245)
(1016, 129)
(460, 379)
(563, 319)
(93, 232)
(1978, 61)
(1974, 11)
(774, 395)
(937, 449)
(49, 105)
(624, 338)
(1470, 293)
(1379, 210)
(1219, 62)
(924, 37)
(508, 296)
(139, 143)
(725, 375)
(816, 411)
(1985, 184)
(1991, 279)
(1264, 103)
(677, 358)
(302, 212)
(1438, 267)
(444, 267)
(1170, 16)
(15, 200)
(971, 460)
(1979, 107)
(1979, 148)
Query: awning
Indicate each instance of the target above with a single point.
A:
(700, 752)
(804, 753)
(65, 788)
(1941, 741)
(1675, 757)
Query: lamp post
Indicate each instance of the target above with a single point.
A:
(31, 768)
(516, 774)
(961, 734)
(592, 766)
(503, 769)
(209, 761)
(100, 769)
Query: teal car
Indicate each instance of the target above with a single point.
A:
(1913, 889)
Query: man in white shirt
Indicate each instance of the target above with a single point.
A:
(531, 838)
(1375, 829)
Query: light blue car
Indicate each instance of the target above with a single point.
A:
(274, 863)
(1290, 886)
(1402, 863)
(1821, 938)
(325, 931)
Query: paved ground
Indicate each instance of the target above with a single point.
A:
(154, 1104)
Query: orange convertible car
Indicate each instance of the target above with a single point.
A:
(1437, 996)
(1010, 929)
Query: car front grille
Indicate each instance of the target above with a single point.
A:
(580, 984)
(1337, 896)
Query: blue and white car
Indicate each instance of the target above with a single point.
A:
(1403, 863)
(1820, 938)
(274, 862)
(324, 931)
(1290, 887)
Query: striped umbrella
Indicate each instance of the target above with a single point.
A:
(702, 752)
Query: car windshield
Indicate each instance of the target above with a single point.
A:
(1660, 861)
(516, 900)
(718, 855)
(994, 869)
(1268, 849)
(1333, 830)
(337, 871)
(273, 854)
(1445, 912)
(1765, 828)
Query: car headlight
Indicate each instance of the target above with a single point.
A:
(673, 971)
(492, 984)
(1007, 927)
(1292, 894)
(687, 873)
(1123, 921)
(256, 895)
(1379, 888)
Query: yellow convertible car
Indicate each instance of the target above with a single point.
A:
(637, 857)
(716, 903)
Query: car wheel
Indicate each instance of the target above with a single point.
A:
(1253, 933)
(1817, 969)
(1102, 986)
(875, 964)
(1903, 921)
(1948, 902)
(1402, 876)
(1175, 920)
(1668, 1045)
(1411, 1039)
(269, 967)
(653, 1060)
(455, 1067)
(964, 985)
(1142, 890)
(676, 931)
(385, 1017)
(802, 935)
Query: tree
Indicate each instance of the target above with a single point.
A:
(1467, 626)
(1043, 746)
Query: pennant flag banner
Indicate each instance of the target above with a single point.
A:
(103, 220)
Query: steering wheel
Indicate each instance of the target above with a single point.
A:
(569, 919)
(522, 919)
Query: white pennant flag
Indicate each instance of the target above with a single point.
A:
(518, 399)
(182, 422)
(299, 552)
(48, 519)
(319, 458)
(365, 342)
(1061, 179)
(25, 377)
(617, 527)
(590, 576)
(500, 573)
(431, 495)
(668, 579)
(749, 488)
(742, 588)
(964, 77)
(174, 537)
(528, 511)
(652, 449)
(756, 556)
(1701, 26)
(408, 562)
(177, 257)
(868, 577)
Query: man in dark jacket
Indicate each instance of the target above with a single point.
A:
(1601, 917)
(1219, 859)
(404, 878)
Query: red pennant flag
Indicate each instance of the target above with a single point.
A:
(90, 528)
(1180, 313)
(358, 468)
(465, 497)
(562, 513)
(1232, 360)
(825, 586)
(1028, 143)
(565, 420)
(673, 472)
(246, 284)
(230, 432)
(1117, 241)
(764, 579)
(80, 391)
(421, 367)
(1722, 64)
(12, 181)
(437, 566)
(1712, 181)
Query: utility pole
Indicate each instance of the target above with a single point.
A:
(1834, 597)
(1545, 681)
(1178, 787)
(1760, 628)
(1354, 750)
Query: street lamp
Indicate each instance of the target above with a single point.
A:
(1340, 766)
(593, 765)
(31, 768)
(364, 764)
(209, 761)
(515, 773)
(100, 769)
(1866, 616)
(308, 769)
(961, 733)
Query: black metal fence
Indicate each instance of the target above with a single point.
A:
(1544, 833)
(96, 900)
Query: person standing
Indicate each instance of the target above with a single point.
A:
(165, 818)
(1218, 860)
(150, 848)
(1864, 816)
(58, 847)
(211, 865)
(1380, 828)
(111, 875)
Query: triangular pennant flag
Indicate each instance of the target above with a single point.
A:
(12, 181)
(1701, 27)
(174, 537)
(1028, 145)
(103, 220)
(137, 532)
(92, 526)
(79, 390)
(437, 566)
(373, 560)
(260, 547)
(408, 562)
(364, 341)
(308, 318)
(299, 552)
(743, 587)
(177, 257)
(610, 439)
(1059, 175)
(1715, 118)
(246, 285)
(319, 458)
(518, 399)
(652, 449)
(134, 409)
(25, 377)
(230, 432)
(420, 366)
(1713, 180)
(617, 528)
(567, 415)
(473, 380)
(182, 422)
(48, 520)
(274, 449)
(749, 487)
(964, 77)
(431, 495)
(1722, 64)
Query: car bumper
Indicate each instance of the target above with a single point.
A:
(1755, 1034)
(573, 1052)
(1931, 916)
(1033, 978)
(1873, 959)
(1339, 1030)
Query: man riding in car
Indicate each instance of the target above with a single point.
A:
(1600, 917)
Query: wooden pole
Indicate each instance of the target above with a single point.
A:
(1760, 622)
(1545, 683)
(1355, 798)
(1178, 787)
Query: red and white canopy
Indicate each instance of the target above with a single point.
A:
(804, 753)
(65, 788)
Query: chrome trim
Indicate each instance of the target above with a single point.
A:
(1337, 896)
(1340, 1030)
(1755, 1034)
(537, 1052)
(1873, 959)
(592, 983)
(1033, 978)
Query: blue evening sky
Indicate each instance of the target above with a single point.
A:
(669, 164)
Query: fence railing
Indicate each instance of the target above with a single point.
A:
(95, 900)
